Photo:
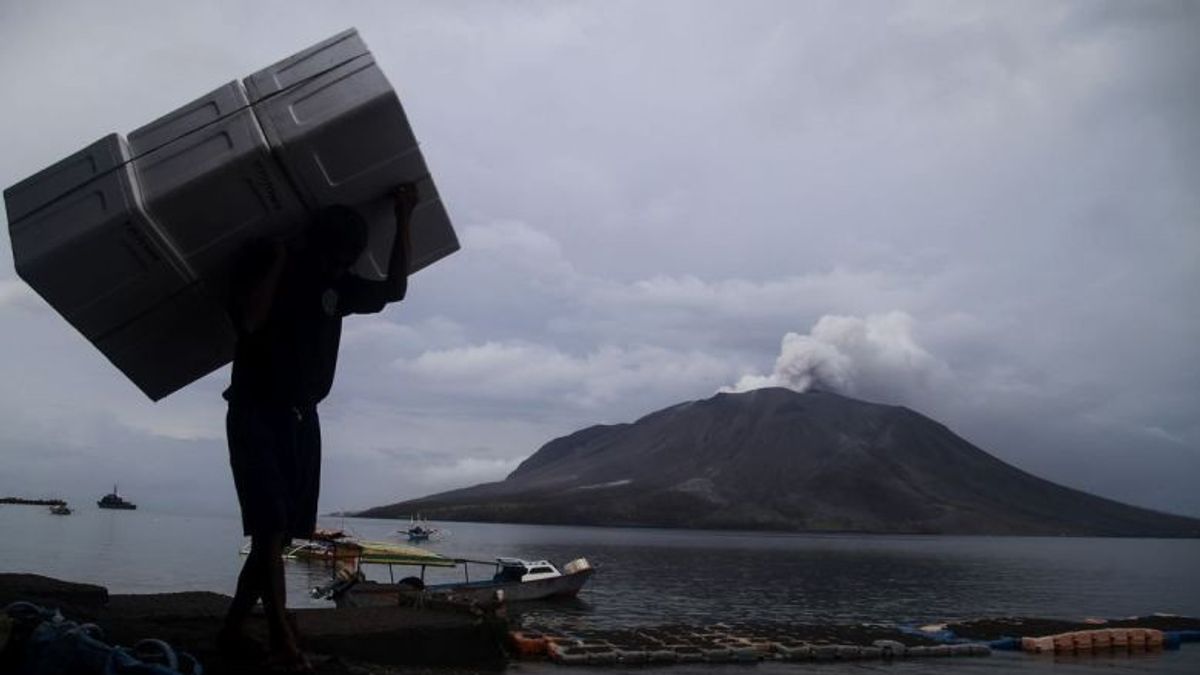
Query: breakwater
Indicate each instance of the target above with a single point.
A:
(21, 501)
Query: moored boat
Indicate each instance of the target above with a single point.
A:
(514, 580)
(419, 530)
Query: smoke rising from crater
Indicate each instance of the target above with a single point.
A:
(876, 358)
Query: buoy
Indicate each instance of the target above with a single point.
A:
(1118, 638)
(661, 656)
(744, 653)
(1154, 638)
(960, 650)
(938, 650)
(794, 652)
(825, 652)
(1100, 639)
(890, 648)
(717, 654)
(602, 656)
(631, 655)
(1137, 639)
(567, 654)
(849, 652)
(528, 645)
(1038, 645)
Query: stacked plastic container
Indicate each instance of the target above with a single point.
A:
(132, 242)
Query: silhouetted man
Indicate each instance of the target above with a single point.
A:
(288, 303)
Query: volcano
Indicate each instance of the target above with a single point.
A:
(775, 459)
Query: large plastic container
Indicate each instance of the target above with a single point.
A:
(210, 180)
(132, 241)
(90, 249)
(341, 134)
(82, 239)
(47, 185)
(173, 344)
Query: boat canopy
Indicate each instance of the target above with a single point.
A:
(388, 553)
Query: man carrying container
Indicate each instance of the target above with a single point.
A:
(287, 303)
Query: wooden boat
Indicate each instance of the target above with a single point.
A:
(514, 580)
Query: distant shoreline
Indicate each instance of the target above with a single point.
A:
(434, 516)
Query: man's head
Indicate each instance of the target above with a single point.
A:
(338, 236)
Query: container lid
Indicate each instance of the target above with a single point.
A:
(215, 105)
(305, 64)
(51, 183)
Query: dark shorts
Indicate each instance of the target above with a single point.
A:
(275, 453)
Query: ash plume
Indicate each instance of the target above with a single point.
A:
(876, 357)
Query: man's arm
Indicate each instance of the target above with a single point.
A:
(255, 282)
(359, 296)
(405, 201)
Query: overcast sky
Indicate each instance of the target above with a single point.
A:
(988, 212)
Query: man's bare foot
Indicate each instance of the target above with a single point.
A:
(288, 661)
(293, 627)
(236, 643)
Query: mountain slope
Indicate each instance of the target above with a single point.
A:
(781, 460)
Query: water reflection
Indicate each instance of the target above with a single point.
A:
(647, 576)
(656, 576)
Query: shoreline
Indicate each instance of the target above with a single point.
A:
(777, 532)
(367, 640)
(380, 640)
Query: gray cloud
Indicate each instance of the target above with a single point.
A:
(651, 196)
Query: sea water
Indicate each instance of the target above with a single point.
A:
(655, 576)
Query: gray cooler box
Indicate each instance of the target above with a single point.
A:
(211, 182)
(132, 242)
(82, 239)
(341, 134)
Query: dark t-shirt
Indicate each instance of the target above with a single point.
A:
(291, 359)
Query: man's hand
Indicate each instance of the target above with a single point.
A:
(405, 199)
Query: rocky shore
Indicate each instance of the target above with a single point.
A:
(373, 640)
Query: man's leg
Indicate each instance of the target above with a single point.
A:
(242, 441)
(260, 442)
(249, 590)
(274, 597)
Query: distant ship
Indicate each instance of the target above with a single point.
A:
(115, 501)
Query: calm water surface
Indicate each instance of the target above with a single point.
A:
(649, 576)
